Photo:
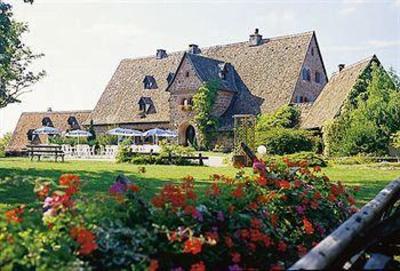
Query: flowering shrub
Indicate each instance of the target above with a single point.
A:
(266, 220)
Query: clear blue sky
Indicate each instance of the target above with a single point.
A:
(84, 40)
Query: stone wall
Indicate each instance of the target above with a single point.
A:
(313, 61)
(223, 141)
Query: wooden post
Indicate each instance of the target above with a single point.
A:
(201, 163)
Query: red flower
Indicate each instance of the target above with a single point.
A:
(277, 267)
(274, 219)
(238, 192)
(133, 187)
(282, 246)
(314, 204)
(235, 257)
(14, 215)
(308, 227)
(192, 246)
(68, 179)
(44, 192)
(256, 223)
(261, 180)
(301, 250)
(351, 200)
(85, 239)
(317, 168)
(228, 242)
(158, 201)
(213, 190)
(198, 266)
(153, 265)
(284, 184)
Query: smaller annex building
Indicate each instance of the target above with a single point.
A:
(29, 121)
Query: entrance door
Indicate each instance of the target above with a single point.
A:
(190, 135)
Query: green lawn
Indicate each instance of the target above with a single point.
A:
(17, 174)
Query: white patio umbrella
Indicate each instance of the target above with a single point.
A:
(46, 130)
(157, 132)
(78, 133)
(123, 132)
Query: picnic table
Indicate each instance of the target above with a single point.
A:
(45, 150)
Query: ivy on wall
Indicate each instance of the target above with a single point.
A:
(369, 117)
(206, 123)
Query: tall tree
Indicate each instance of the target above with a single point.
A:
(16, 58)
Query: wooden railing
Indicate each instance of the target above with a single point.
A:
(367, 240)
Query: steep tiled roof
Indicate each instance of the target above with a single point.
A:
(208, 70)
(33, 120)
(328, 104)
(268, 75)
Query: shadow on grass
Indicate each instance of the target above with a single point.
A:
(17, 184)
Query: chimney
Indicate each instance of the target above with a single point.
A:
(341, 67)
(194, 49)
(255, 39)
(49, 109)
(161, 53)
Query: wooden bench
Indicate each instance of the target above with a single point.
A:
(45, 150)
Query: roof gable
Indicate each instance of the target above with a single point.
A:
(329, 103)
(33, 120)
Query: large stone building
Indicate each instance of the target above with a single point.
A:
(255, 76)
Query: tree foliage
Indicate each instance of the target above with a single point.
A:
(4, 141)
(285, 117)
(368, 118)
(203, 102)
(16, 58)
(279, 133)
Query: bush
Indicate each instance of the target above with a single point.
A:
(285, 141)
(4, 141)
(352, 160)
(261, 221)
(395, 140)
(311, 158)
(177, 151)
(285, 117)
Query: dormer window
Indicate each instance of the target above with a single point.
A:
(46, 121)
(306, 74)
(149, 82)
(73, 123)
(170, 77)
(223, 70)
(312, 51)
(146, 105)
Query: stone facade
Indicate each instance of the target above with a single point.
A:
(310, 89)
(182, 90)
